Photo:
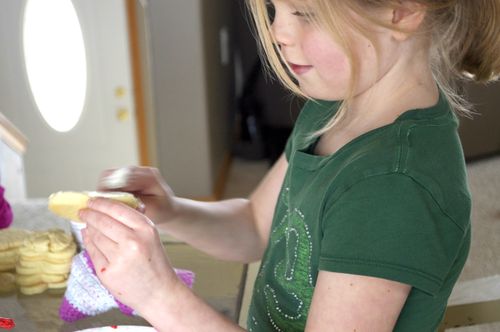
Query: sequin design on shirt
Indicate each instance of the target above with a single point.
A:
(287, 302)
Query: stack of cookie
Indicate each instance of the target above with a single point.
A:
(44, 261)
(10, 241)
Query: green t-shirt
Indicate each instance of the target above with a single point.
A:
(393, 203)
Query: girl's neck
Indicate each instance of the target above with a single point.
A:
(409, 84)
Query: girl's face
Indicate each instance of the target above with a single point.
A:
(319, 64)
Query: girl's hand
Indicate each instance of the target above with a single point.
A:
(127, 253)
(147, 184)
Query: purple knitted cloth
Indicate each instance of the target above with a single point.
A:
(5, 211)
(86, 296)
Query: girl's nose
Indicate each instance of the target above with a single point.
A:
(282, 31)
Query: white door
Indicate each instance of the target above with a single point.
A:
(105, 135)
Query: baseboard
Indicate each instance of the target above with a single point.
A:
(471, 314)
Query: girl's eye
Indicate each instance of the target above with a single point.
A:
(271, 11)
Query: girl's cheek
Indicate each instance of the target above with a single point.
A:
(327, 57)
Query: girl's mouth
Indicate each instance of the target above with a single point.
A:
(299, 69)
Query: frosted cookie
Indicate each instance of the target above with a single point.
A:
(8, 254)
(12, 238)
(8, 260)
(67, 204)
(58, 285)
(34, 289)
(59, 240)
(7, 267)
(35, 245)
(7, 282)
(32, 264)
(51, 268)
(54, 278)
(116, 180)
(43, 259)
(23, 270)
(61, 256)
(29, 280)
(30, 255)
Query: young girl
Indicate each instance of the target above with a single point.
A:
(364, 223)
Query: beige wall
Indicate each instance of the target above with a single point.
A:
(219, 79)
(190, 99)
(12, 147)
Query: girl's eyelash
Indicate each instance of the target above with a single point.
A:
(302, 14)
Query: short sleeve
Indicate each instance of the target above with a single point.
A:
(389, 226)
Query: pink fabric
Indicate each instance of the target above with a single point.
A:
(6, 215)
(86, 296)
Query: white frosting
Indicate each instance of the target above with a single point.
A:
(117, 179)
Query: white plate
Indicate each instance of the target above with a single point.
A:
(120, 328)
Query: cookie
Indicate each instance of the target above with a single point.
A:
(34, 264)
(23, 270)
(36, 244)
(51, 268)
(34, 289)
(7, 282)
(31, 256)
(7, 267)
(58, 285)
(8, 260)
(59, 240)
(28, 280)
(12, 238)
(8, 254)
(44, 259)
(54, 278)
(67, 204)
(61, 256)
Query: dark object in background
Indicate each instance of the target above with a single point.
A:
(481, 135)
(265, 117)
(249, 141)
(275, 138)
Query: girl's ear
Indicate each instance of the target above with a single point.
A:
(407, 18)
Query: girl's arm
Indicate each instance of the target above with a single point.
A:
(341, 302)
(184, 311)
(235, 229)
(346, 302)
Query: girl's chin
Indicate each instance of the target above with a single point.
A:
(328, 95)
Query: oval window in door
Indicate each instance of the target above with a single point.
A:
(55, 59)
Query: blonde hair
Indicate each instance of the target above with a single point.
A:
(464, 37)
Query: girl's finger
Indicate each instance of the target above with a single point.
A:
(99, 261)
(106, 246)
(124, 214)
(111, 227)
